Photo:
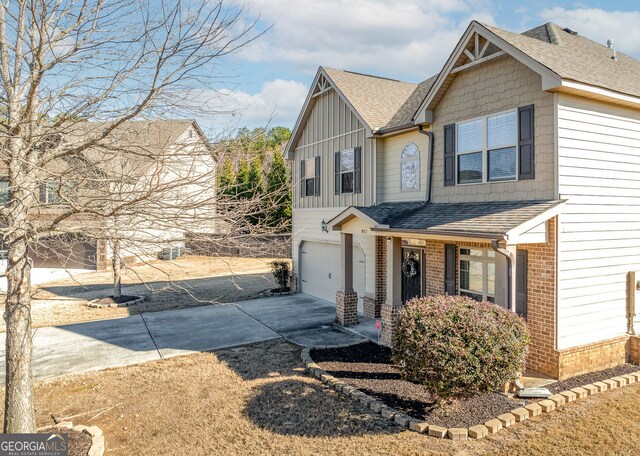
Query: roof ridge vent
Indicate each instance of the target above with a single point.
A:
(571, 32)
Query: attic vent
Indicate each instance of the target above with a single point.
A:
(614, 56)
(572, 32)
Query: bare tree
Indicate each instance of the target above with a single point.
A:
(110, 62)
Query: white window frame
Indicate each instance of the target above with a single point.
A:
(353, 172)
(404, 160)
(485, 150)
(307, 178)
(484, 259)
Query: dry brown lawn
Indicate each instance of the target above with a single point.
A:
(186, 282)
(257, 400)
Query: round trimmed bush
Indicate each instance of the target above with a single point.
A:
(457, 347)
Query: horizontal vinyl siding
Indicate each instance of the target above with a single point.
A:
(332, 127)
(307, 227)
(598, 173)
(389, 154)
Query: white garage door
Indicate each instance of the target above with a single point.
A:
(320, 271)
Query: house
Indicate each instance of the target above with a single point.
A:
(510, 176)
(158, 156)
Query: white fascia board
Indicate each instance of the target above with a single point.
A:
(600, 91)
(513, 234)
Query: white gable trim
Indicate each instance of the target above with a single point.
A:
(308, 106)
(424, 113)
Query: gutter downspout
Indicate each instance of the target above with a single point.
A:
(429, 134)
(496, 247)
(510, 305)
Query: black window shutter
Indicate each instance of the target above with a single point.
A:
(336, 174)
(303, 184)
(526, 149)
(522, 272)
(316, 184)
(450, 269)
(43, 192)
(357, 170)
(449, 155)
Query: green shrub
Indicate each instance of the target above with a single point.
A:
(280, 270)
(457, 347)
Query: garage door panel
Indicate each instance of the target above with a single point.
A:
(320, 273)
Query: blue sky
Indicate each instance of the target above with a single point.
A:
(403, 39)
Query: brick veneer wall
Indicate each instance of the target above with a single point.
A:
(541, 304)
(381, 272)
(347, 308)
(588, 358)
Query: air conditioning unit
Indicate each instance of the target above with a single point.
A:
(171, 253)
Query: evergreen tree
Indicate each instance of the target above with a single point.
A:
(242, 180)
(255, 185)
(227, 179)
(279, 192)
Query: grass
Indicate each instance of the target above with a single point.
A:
(257, 400)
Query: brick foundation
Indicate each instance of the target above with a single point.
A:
(634, 349)
(347, 308)
(592, 357)
(293, 282)
(389, 319)
(371, 307)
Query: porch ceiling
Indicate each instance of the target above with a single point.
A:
(507, 220)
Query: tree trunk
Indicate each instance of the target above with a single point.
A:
(117, 270)
(19, 413)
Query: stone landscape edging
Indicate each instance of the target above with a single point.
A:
(479, 431)
(97, 437)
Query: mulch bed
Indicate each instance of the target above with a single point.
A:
(592, 377)
(79, 442)
(368, 368)
(111, 300)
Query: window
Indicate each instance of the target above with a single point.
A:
(410, 168)
(347, 167)
(477, 274)
(486, 148)
(4, 192)
(50, 192)
(310, 172)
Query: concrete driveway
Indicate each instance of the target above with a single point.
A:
(98, 345)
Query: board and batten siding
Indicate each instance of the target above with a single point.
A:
(332, 127)
(307, 227)
(599, 235)
(388, 163)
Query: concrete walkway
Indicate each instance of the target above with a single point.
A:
(98, 345)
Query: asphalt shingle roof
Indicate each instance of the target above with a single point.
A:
(575, 57)
(481, 218)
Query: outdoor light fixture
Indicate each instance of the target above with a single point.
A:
(324, 226)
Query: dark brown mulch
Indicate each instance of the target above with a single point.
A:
(368, 368)
(121, 300)
(592, 377)
(79, 442)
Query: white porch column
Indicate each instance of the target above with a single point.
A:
(505, 285)
(391, 308)
(346, 261)
(394, 277)
(346, 298)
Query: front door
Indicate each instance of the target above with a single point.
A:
(412, 273)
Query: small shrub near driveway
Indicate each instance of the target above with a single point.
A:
(281, 270)
(457, 347)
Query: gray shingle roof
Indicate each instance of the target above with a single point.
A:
(494, 218)
(376, 99)
(575, 57)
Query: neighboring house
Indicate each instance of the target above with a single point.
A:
(138, 155)
(510, 176)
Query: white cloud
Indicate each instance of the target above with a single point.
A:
(600, 25)
(404, 38)
(277, 103)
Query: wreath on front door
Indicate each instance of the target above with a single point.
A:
(409, 267)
